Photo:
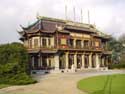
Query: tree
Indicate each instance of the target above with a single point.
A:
(117, 48)
(122, 38)
(122, 41)
(14, 64)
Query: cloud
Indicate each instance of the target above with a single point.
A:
(107, 14)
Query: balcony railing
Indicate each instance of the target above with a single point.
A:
(87, 48)
(43, 48)
(69, 47)
(79, 47)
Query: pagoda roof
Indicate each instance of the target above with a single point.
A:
(101, 34)
(29, 26)
(51, 19)
(67, 24)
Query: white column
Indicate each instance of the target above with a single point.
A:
(52, 63)
(33, 42)
(90, 61)
(83, 60)
(47, 61)
(102, 62)
(75, 61)
(67, 60)
(56, 60)
(82, 44)
(97, 61)
(74, 43)
(41, 42)
(47, 43)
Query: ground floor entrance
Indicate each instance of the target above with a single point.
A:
(69, 61)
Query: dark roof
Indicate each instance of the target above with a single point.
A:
(29, 26)
(64, 31)
(78, 28)
(48, 31)
(48, 25)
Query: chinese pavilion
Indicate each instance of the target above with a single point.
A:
(62, 45)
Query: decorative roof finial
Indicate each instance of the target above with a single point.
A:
(81, 16)
(88, 17)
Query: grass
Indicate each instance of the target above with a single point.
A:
(3, 85)
(108, 84)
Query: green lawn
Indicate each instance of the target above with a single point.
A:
(3, 85)
(108, 84)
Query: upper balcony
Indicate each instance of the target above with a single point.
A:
(48, 44)
(84, 45)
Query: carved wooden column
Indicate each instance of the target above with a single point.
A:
(56, 59)
(90, 60)
(82, 44)
(103, 61)
(67, 59)
(74, 43)
(97, 61)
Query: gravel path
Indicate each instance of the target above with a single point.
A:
(61, 83)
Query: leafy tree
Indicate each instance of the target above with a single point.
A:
(122, 41)
(122, 38)
(14, 64)
(117, 48)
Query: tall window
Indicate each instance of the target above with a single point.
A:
(103, 45)
(44, 42)
(35, 43)
(78, 43)
(71, 42)
(86, 43)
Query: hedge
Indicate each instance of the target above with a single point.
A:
(117, 66)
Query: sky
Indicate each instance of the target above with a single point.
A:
(107, 15)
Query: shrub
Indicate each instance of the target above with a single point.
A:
(117, 66)
(21, 79)
(14, 64)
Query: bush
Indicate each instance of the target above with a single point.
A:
(18, 79)
(14, 65)
(21, 79)
(117, 66)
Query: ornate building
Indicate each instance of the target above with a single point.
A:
(61, 45)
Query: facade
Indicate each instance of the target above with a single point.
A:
(61, 45)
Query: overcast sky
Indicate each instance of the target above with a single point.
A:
(108, 15)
